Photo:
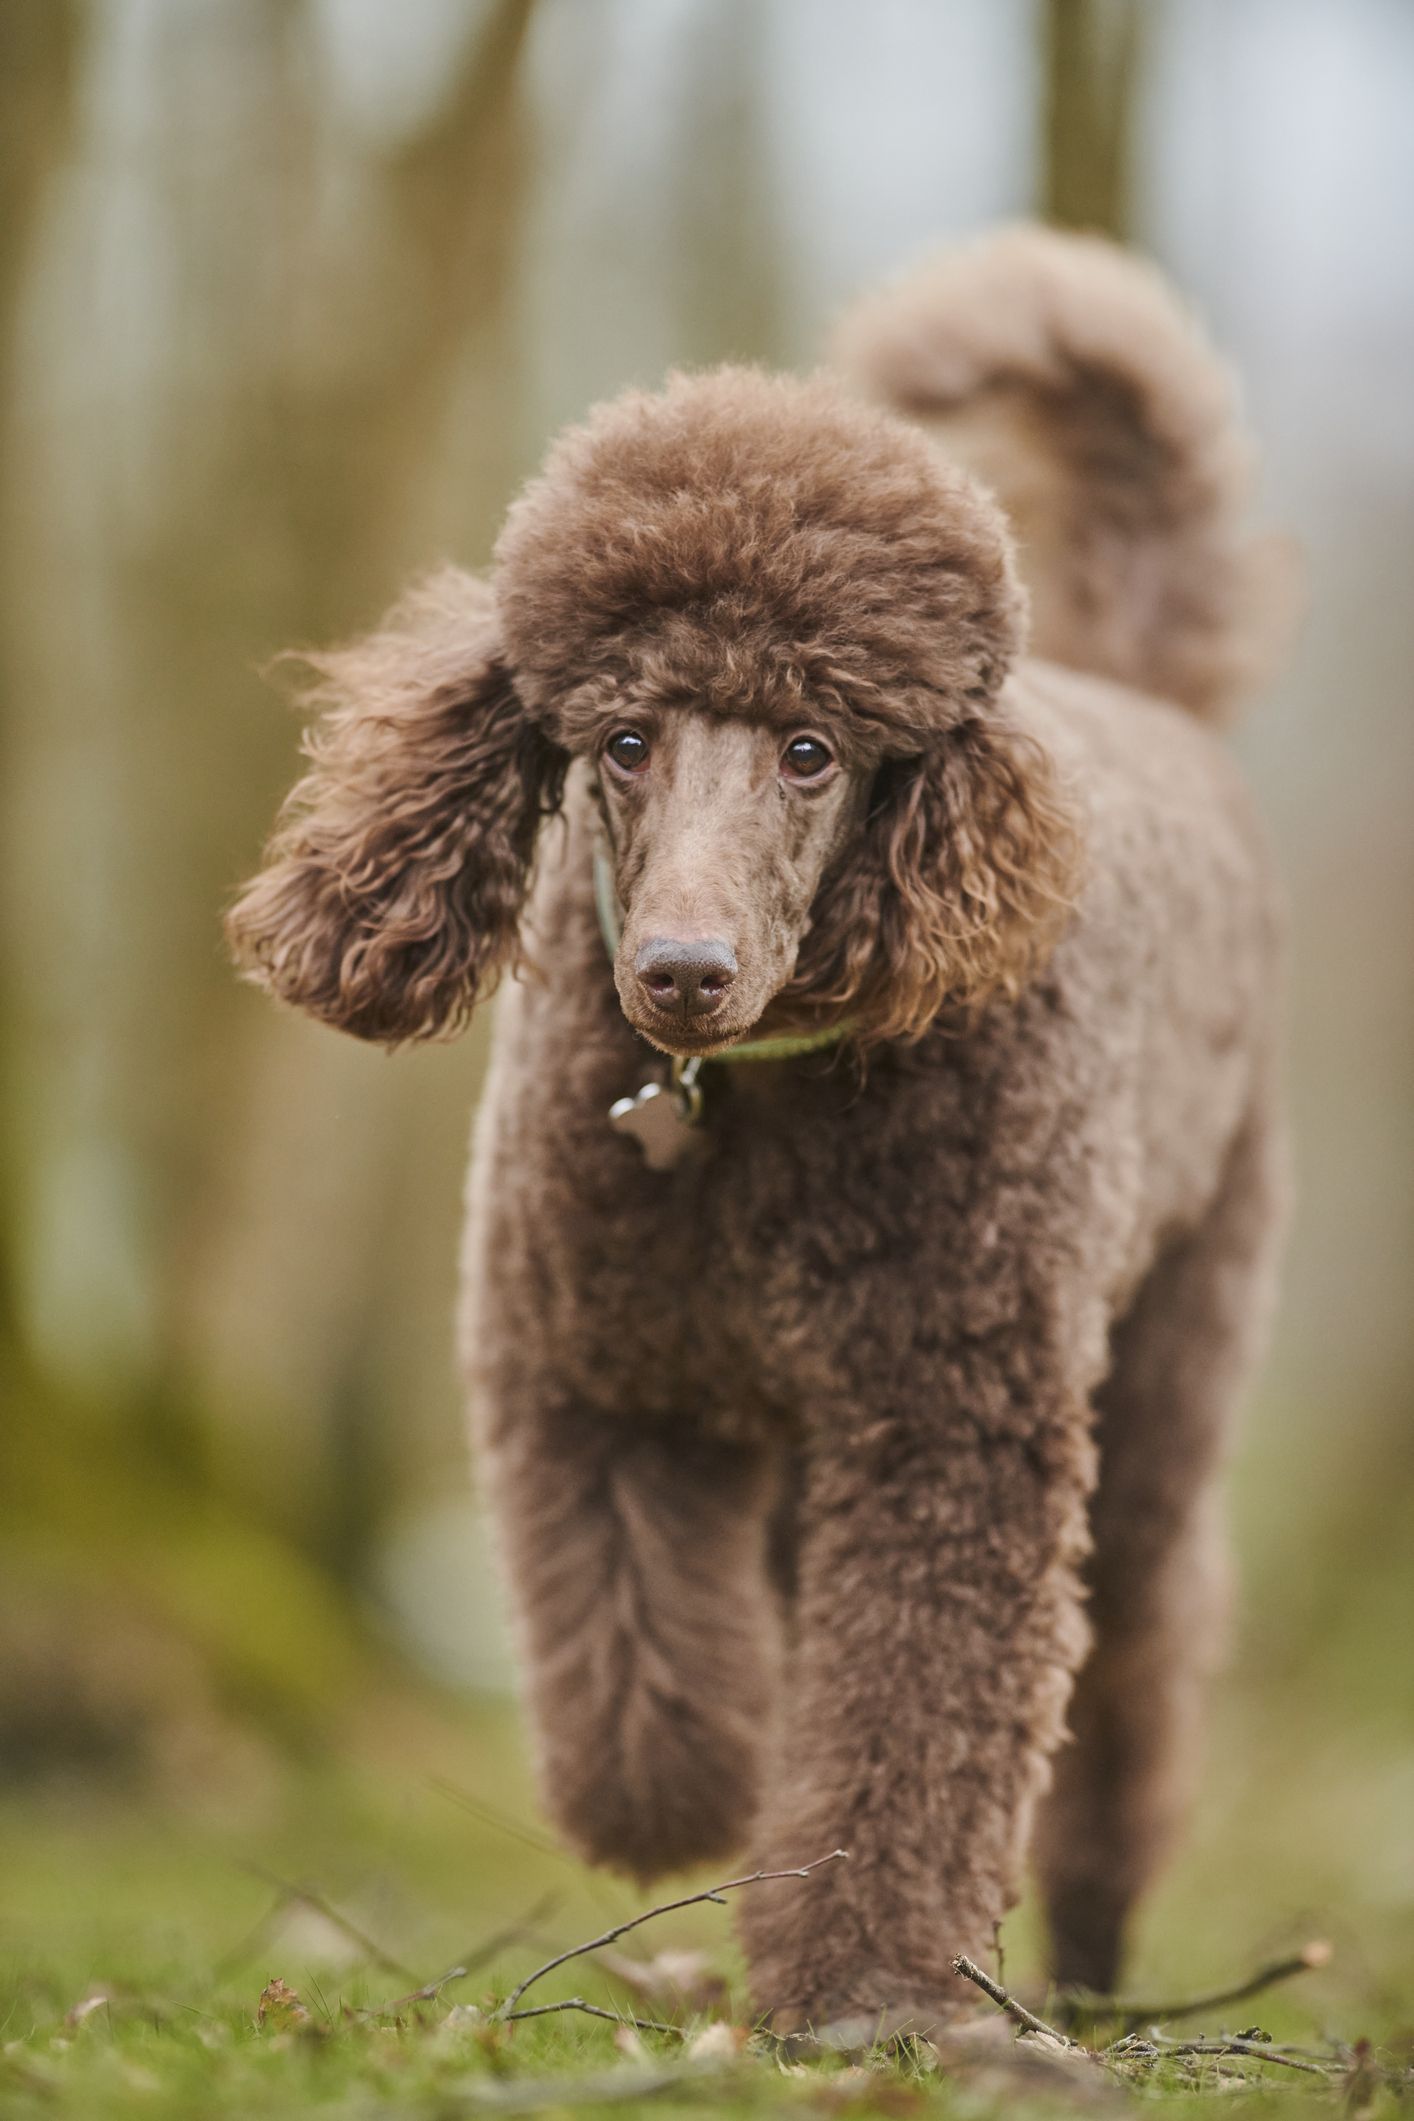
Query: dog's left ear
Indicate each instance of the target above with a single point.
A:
(392, 890)
(970, 856)
(981, 845)
(964, 872)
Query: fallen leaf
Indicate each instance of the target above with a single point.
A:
(280, 2009)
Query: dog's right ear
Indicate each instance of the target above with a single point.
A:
(392, 890)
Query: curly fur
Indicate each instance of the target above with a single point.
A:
(1069, 377)
(753, 545)
(955, 889)
(858, 1471)
(393, 887)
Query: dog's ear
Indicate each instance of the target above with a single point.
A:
(392, 889)
(970, 856)
(966, 868)
(983, 852)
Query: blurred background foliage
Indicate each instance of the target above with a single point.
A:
(292, 294)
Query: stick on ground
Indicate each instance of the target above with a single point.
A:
(1254, 2050)
(1027, 2020)
(591, 2010)
(713, 1893)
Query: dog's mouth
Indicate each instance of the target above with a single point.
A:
(691, 1038)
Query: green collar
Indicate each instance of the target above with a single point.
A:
(752, 1049)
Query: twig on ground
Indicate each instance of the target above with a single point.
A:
(1255, 2050)
(480, 1955)
(1026, 2019)
(591, 2010)
(1081, 2004)
(305, 1896)
(714, 1893)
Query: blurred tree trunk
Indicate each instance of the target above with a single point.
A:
(346, 469)
(443, 227)
(39, 49)
(1092, 51)
(726, 290)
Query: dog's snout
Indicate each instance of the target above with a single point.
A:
(686, 978)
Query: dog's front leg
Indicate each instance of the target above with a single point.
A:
(939, 1626)
(636, 1558)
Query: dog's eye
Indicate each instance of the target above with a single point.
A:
(628, 750)
(805, 758)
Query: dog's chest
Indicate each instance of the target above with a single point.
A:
(739, 1285)
(770, 1247)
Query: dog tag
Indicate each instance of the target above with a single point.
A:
(662, 1117)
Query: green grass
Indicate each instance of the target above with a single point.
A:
(281, 1752)
(174, 1912)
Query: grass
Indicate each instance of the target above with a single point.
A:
(137, 1936)
(140, 1928)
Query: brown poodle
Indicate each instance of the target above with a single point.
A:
(854, 1447)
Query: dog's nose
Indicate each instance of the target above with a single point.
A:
(686, 978)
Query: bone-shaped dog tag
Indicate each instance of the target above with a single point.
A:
(662, 1118)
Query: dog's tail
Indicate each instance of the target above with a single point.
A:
(1066, 374)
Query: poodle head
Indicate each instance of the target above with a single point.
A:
(775, 625)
